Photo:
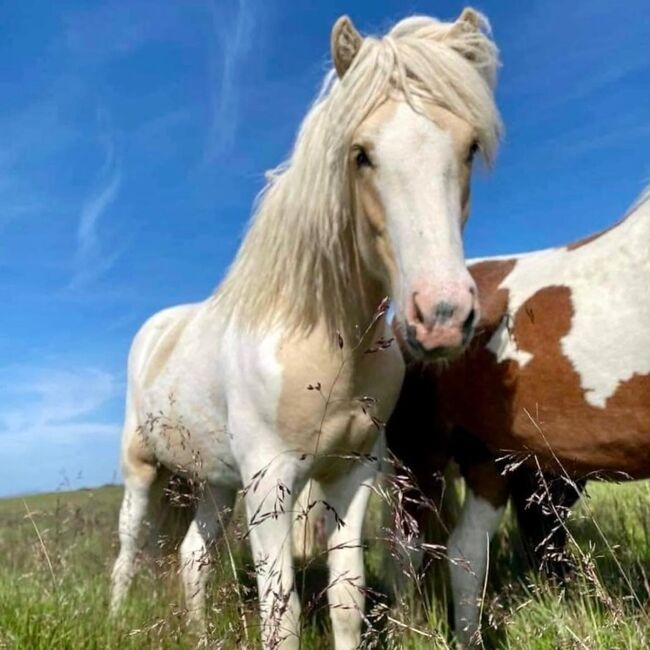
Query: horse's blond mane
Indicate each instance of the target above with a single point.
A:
(298, 262)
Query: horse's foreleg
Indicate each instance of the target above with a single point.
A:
(212, 514)
(468, 547)
(269, 495)
(346, 501)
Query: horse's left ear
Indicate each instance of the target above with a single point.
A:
(345, 43)
(471, 18)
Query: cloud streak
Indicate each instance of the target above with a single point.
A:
(54, 424)
(91, 259)
(234, 35)
(45, 406)
(96, 205)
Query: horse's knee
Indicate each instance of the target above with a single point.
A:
(347, 621)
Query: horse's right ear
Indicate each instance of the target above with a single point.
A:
(469, 21)
(345, 43)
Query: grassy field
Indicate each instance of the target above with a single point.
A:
(56, 551)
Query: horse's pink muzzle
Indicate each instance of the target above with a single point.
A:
(441, 323)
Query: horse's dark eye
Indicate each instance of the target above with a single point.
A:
(361, 159)
(473, 150)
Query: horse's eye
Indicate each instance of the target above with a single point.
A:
(361, 159)
(473, 150)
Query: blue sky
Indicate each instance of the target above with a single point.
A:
(134, 137)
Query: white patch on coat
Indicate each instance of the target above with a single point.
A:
(504, 346)
(609, 339)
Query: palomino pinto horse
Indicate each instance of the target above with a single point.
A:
(370, 204)
(557, 377)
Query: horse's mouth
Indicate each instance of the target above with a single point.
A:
(439, 355)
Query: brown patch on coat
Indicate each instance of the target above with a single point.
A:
(486, 481)
(488, 276)
(483, 474)
(421, 449)
(352, 392)
(541, 409)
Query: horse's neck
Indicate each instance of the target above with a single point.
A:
(363, 319)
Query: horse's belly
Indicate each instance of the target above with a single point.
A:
(617, 444)
(546, 414)
(198, 450)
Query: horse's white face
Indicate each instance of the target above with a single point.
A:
(410, 177)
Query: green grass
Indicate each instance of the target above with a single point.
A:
(56, 551)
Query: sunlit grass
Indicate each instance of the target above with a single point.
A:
(56, 553)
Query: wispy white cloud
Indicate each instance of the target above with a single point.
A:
(30, 138)
(57, 427)
(96, 205)
(234, 36)
(41, 407)
(99, 33)
(91, 257)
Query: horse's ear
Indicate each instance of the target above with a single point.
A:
(471, 18)
(470, 22)
(345, 43)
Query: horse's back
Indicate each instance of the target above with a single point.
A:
(155, 341)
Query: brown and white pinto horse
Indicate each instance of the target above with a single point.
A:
(558, 377)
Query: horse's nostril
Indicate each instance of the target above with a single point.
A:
(419, 316)
(468, 325)
(444, 311)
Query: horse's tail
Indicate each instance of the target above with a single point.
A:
(309, 521)
(171, 509)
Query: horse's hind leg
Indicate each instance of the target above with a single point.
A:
(212, 515)
(139, 471)
(542, 502)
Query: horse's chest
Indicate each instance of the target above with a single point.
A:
(323, 418)
(333, 407)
